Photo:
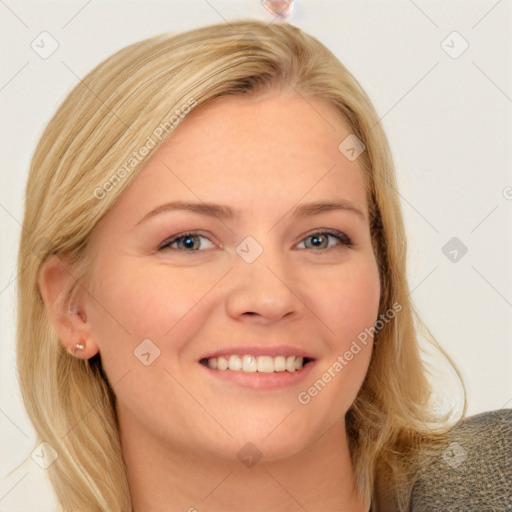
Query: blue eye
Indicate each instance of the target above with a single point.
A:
(188, 242)
(320, 238)
(191, 241)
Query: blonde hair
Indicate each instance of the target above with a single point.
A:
(78, 171)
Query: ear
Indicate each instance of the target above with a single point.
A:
(55, 280)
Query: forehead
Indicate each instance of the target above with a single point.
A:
(255, 153)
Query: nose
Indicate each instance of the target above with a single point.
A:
(262, 291)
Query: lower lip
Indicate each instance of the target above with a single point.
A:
(261, 380)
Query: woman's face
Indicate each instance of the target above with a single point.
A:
(264, 281)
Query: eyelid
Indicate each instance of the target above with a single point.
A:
(343, 239)
(170, 240)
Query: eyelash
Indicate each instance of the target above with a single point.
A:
(342, 238)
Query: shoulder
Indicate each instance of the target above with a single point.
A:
(474, 470)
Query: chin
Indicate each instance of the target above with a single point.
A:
(262, 446)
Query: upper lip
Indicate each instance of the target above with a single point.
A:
(260, 350)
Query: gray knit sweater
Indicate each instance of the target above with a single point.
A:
(473, 473)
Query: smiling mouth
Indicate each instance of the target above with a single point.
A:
(253, 364)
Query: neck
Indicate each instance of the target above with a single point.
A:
(319, 478)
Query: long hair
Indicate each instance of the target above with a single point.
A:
(91, 150)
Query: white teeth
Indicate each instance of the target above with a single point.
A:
(279, 364)
(222, 363)
(265, 364)
(235, 363)
(251, 364)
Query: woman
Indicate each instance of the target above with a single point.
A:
(213, 305)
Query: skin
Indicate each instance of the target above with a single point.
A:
(181, 428)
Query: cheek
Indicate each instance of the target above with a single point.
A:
(145, 300)
(350, 302)
(350, 310)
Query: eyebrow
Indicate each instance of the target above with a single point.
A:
(225, 212)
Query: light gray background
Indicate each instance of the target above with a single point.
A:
(449, 125)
